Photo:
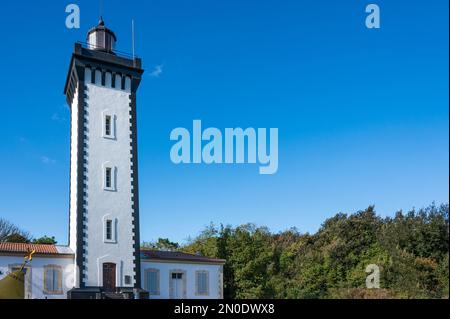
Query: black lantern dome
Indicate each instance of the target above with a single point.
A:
(101, 38)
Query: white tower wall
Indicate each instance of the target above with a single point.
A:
(104, 198)
(108, 204)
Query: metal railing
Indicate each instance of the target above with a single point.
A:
(116, 52)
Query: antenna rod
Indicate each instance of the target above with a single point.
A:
(101, 7)
(132, 36)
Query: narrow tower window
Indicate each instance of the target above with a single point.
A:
(108, 125)
(109, 229)
(108, 175)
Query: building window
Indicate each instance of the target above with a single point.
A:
(202, 283)
(109, 229)
(127, 280)
(152, 281)
(177, 275)
(109, 177)
(110, 226)
(108, 125)
(53, 280)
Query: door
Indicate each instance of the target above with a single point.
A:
(177, 285)
(109, 277)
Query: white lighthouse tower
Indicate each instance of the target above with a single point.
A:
(104, 204)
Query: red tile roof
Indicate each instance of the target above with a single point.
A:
(145, 253)
(177, 256)
(23, 248)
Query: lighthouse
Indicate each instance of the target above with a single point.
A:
(101, 89)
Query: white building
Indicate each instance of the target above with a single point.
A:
(164, 275)
(103, 258)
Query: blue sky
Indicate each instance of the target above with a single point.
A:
(362, 114)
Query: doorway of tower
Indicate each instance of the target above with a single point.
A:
(109, 277)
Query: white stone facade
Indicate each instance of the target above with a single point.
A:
(101, 202)
(165, 287)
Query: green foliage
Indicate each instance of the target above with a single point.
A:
(45, 240)
(410, 249)
(161, 244)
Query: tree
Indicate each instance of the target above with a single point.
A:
(249, 256)
(410, 249)
(161, 244)
(45, 241)
(16, 238)
(11, 233)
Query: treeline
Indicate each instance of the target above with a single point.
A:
(410, 249)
